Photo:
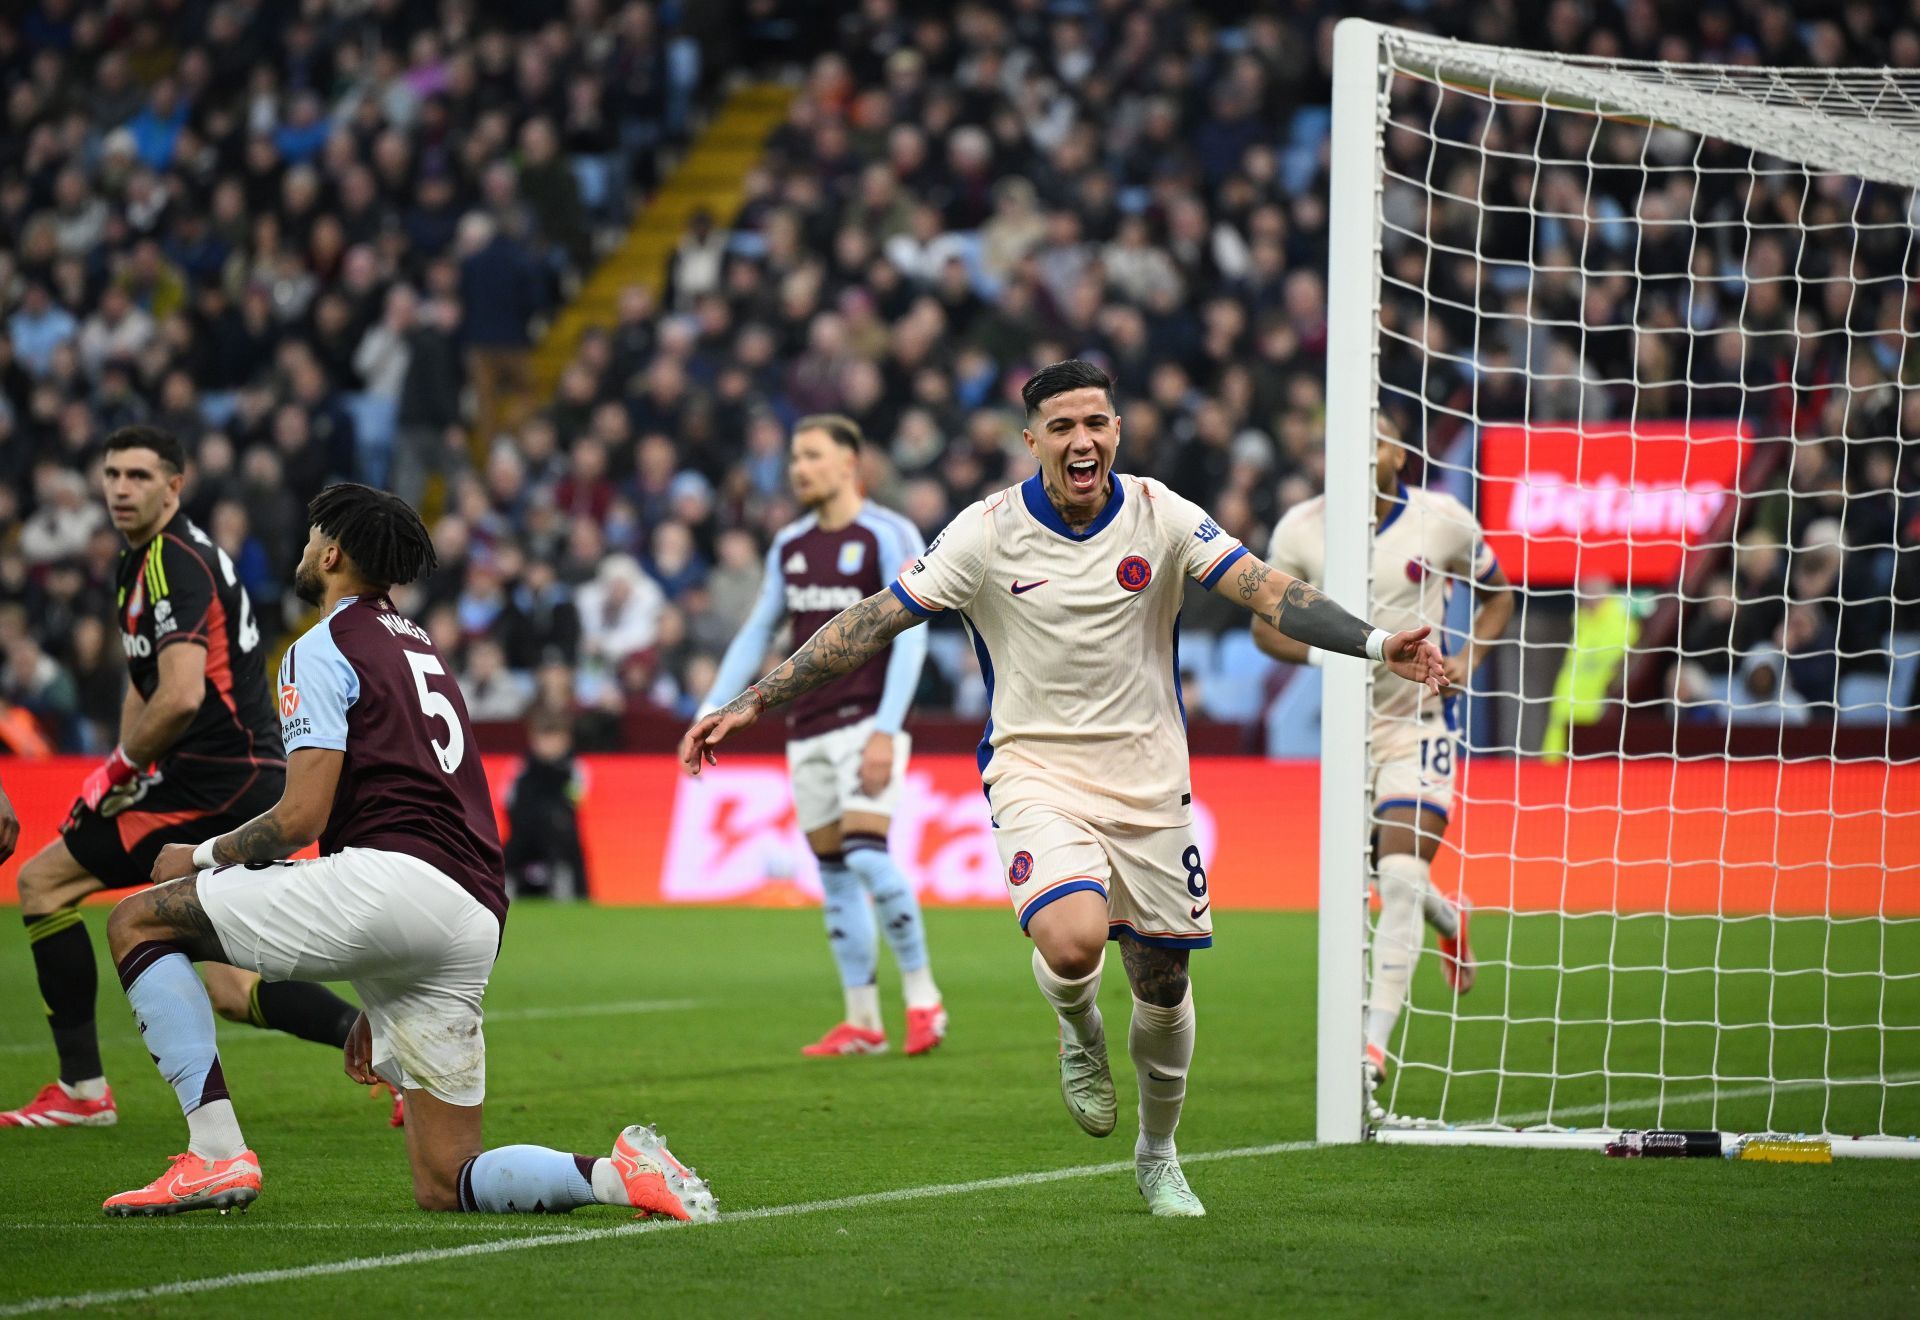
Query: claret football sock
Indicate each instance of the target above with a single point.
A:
(175, 1018)
(63, 964)
(1160, 1042)
(1076, 1002)
(304, 1009)
(534, 1180)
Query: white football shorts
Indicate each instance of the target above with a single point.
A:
(1415, 767)
(1152, 876)
(416, 946)
(826, 775)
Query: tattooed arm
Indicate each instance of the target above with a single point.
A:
(296, 820)
(845, 642)
(1297, 610)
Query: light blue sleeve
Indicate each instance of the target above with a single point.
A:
(901, 543)
(749, 645)
(317, 686)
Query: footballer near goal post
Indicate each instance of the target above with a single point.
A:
(1069, 586)
(407, 900)
(1424, 542)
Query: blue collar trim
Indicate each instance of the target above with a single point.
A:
(1399, 507)
(1034, 491)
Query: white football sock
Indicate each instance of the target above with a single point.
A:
(213, 1131)
(609, 1188)
(917, 985)
(1396, 943)
(1442, 914)
(93, 1088)
(863, 1006)
(1077, 1003)
(1160, 1042)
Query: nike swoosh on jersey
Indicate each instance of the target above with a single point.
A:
(1195, 914)
(1022, 588)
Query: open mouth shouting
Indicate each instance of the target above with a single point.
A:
(1083, 475)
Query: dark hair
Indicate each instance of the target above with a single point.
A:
(1059, 378)
(381, 533)
(844, 430)
(163, 443)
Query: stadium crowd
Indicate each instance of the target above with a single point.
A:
(320, 244)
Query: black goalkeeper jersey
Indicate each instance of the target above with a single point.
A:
(180, 587)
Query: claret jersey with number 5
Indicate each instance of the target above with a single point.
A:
(1077, 638)
(367, 681)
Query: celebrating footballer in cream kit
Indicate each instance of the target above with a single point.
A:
(1068, 586)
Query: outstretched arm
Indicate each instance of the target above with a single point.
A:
(1298, 610)
(1278, 645)
(845, 642)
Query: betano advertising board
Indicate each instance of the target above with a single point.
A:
(1561, 504)
(1591, 835)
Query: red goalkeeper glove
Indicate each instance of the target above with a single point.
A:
(113, 786)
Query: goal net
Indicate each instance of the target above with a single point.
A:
(1655, 326)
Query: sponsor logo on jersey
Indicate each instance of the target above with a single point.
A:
(796, 563)
(801, 600)
(163, 620)
(1021, 869)
(135, 644)
(1134, 573)
(1206, 531)
(853, 556)
(289, 700)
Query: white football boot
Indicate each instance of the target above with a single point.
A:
(1165, 1188)
(1086, 1084)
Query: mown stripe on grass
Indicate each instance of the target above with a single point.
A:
(361, 1264)
(535, 1013)
(1674, 1098)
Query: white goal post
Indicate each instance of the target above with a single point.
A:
(1653, 325)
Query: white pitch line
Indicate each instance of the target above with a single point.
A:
(1694, 1097)
(210, 1224)
(361, 1264)
(538, 1013)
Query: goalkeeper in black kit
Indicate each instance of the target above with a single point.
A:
(199, 753)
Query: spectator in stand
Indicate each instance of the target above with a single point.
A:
(501, 291)
(620, 612)
(226, 232)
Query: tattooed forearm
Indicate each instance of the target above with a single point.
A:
(262, 839)
(1311, 616)
(845, 642)
(1253, 577)
(177, 905)
(1158, 976)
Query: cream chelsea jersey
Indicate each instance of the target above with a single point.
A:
(1426, 543)
(1075, 634)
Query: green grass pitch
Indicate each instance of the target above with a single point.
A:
(692, 1019)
